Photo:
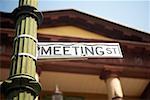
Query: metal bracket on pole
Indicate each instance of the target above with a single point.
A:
(21, 82)
(28, 11)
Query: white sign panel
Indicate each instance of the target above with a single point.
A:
(78, 50)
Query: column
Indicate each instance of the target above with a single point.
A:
(21, 84)
(113, 84)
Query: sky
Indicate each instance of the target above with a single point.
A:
(131, 13)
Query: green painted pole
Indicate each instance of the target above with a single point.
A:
(21, 84)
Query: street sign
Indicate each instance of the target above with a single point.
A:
(78, 50)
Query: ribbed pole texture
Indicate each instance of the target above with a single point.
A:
(25, 25)
(24, 64)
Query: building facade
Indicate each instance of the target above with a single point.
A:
(87, 78)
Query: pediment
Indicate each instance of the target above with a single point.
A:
(71, 17)
(72, 31)
(92, 24)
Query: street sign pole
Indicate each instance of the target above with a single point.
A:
(21, 84)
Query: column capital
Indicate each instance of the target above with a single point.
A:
(104, 74)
